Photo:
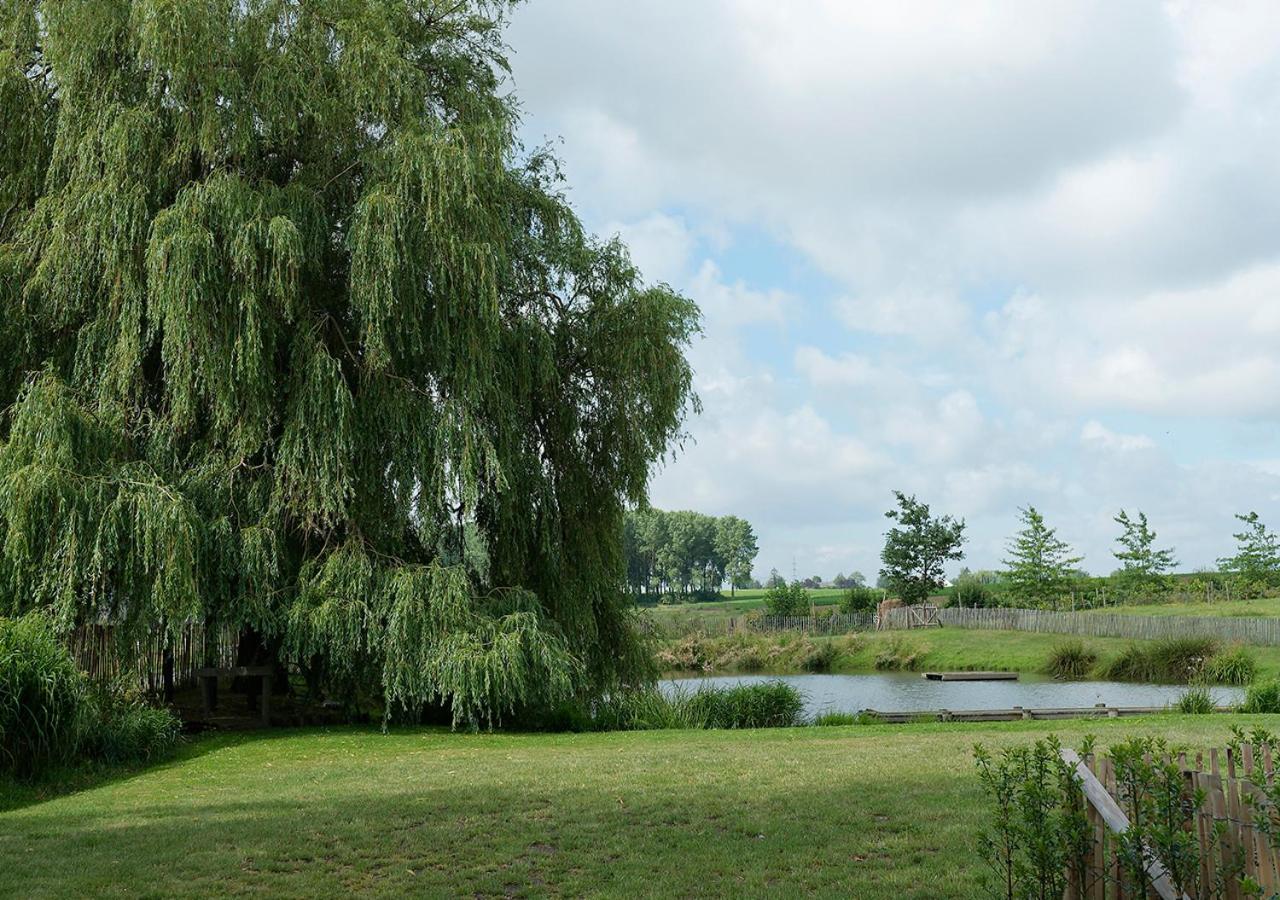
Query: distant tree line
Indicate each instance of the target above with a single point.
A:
(686, 555)
(1041, 570)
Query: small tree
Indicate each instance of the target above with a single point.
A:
(1257, 559)
(859, 598)
(916, 549)
(787, 600)
(1039, 564)
(775, 580)
(1142, 567)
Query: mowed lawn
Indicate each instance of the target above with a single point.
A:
(859, 811)
(1262, 607)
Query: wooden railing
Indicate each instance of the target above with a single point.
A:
(1225, 808)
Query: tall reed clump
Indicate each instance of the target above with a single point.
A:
(1195, 700)
(125, 728)
(1263, 697)
(50, 715)
(1236, 666)
(43, 697)
(1071, 660)
(772, 704)
(1172, 660)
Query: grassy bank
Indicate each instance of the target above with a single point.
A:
(866, 811)
(1263, 606)
(927, 649)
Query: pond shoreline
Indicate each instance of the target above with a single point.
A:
(902, 692)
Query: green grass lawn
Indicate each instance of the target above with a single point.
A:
(863, 811)
(1263, 606)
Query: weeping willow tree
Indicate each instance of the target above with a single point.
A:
(297, 339)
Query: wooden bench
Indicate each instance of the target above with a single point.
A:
(208, 678)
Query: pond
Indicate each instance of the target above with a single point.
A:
(909, 692)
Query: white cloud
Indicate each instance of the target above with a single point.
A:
(1097, 435)
(1032, 219)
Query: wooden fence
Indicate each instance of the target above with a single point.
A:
(836, 623)
(1225, 814)
(1231, 629)
(106, 654)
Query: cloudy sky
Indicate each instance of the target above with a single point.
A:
(989, 253)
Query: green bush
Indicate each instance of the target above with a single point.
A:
(773, 704)
(50, 716)
(1195, 701)
(1172, 660)
(124, 728)
(1236, 666)
(787, 600)
(1262, 698)
(43, 708)
(859, 599)
(1071, 660)
(643, 709)
(1182, 659)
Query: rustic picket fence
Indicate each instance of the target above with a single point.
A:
(1227, 826)
(107, 654)
(1230, 629)
(836, 623)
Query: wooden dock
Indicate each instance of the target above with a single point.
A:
(1018, 712)
(971, 676)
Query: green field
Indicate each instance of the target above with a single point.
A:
(1263, 606)
(865, 811)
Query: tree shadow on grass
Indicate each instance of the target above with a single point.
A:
(411, 828)
(16, 794)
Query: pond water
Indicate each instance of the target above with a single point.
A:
(909, 692)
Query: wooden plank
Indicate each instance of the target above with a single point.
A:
(971, 676)
(233, 671)
(1100, 798)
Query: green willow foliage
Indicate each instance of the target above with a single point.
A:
(287, 314)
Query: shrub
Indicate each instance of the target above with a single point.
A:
(50, 716)
(124, 728)
(1133, 664)
(43, 709)
(1262, 698)
(787, 600)
(898, 656)
(1071, 660)
(1176, 660)
(1195, 701)
(1182, 659)
(1236, 666)
(774, 704)
(1036, 831)
(643, 709)
(859, 599)
(971, 591)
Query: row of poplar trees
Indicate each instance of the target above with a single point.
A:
(681, 553)
(289, 318)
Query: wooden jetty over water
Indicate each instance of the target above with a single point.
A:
(1018, 712)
